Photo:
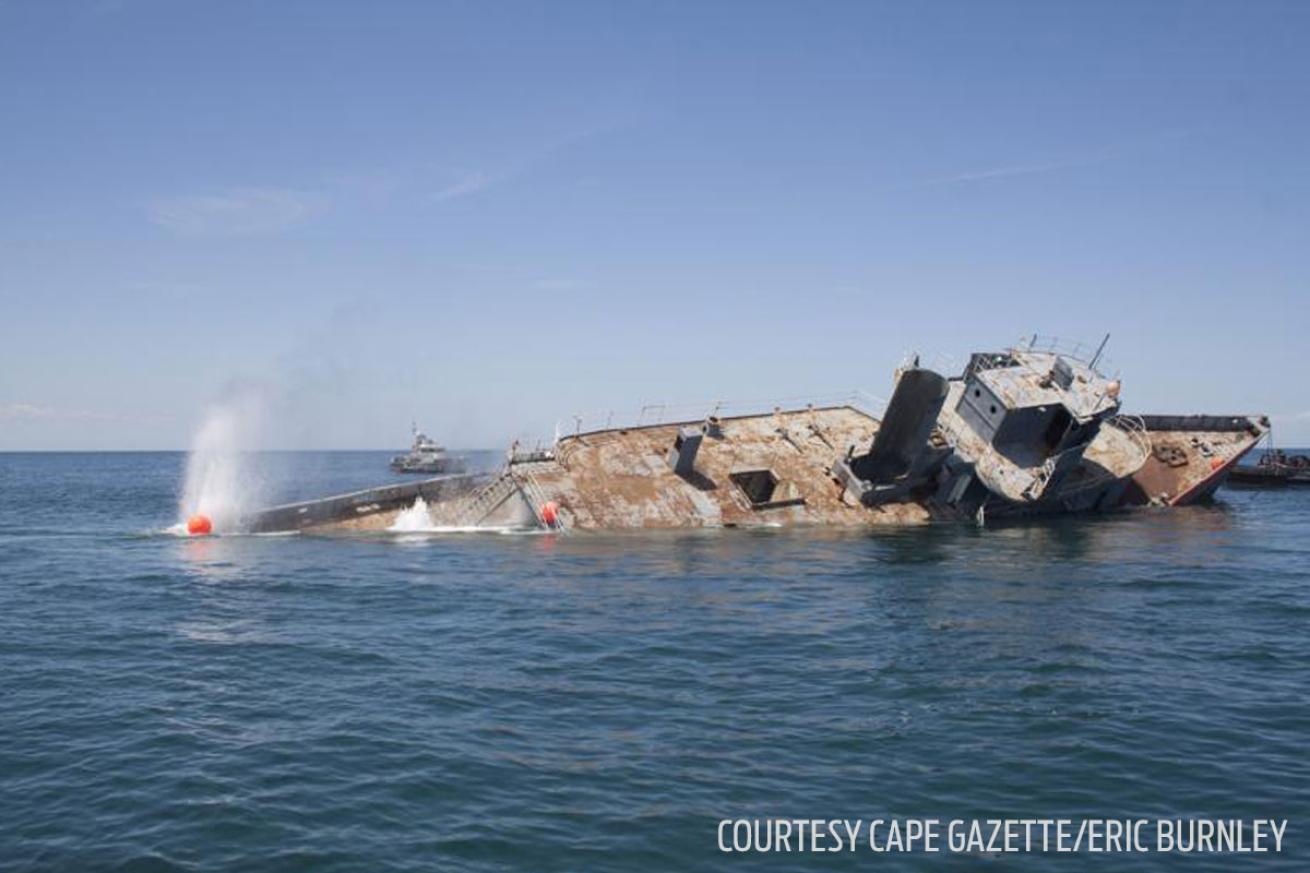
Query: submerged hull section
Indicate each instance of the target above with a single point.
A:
(371, 508)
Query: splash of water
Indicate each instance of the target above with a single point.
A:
(222, 480)
(414, 519)
(418, 520)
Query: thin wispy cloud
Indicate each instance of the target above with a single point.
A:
(1016, 170)
(384, 186)
(1005, 171)
(24, 411)
(465, 185)
(235, 212)
(17, 412)
(375, 186)
(253, 211)
(477, 181)
(1071, 162)
(558, 284)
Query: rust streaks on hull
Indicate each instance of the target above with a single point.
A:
(1027, 431)
(754, 471)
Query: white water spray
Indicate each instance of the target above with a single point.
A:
(222, 480)
(417, 519)
(414, 519)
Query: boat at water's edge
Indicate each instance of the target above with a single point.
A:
(426, 455)
(1274, 469)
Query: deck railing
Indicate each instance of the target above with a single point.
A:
(658, 414)
(1091, 355)
(1135, 427)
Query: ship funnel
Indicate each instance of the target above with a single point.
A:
(682, 454)
(903, 434)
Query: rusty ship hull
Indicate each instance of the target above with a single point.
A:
(618, 479)
(1028, 431)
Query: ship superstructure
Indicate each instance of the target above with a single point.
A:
(426, 455)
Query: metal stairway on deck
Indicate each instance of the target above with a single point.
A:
(488, 498)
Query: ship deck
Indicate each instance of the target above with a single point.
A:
(761, 470)
(1191, 456)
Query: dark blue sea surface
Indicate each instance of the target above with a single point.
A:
(601, 701)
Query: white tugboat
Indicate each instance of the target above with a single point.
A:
(426, 456)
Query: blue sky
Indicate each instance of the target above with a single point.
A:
(491, 216)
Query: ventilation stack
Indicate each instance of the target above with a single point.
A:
(900, 455)
(682, 454)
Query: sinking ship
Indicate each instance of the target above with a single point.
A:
(1035, 429)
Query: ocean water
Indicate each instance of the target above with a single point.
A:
(600, 702)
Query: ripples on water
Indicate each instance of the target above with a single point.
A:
(600, 701)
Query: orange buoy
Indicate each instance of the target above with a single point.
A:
(550, 512)
(199, 525)
(1216, 463)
